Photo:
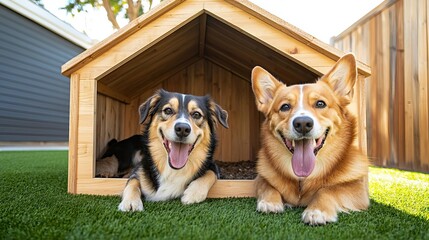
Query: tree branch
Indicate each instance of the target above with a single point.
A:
(110, 15)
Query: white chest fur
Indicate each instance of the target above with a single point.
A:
(172, 184)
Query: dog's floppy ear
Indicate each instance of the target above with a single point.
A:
(106, 154)
(264, 86)
(109, 152)
(147, 107)
(220, 114)
(342, 77)
(112, 142)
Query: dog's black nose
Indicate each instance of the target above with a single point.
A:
(303, 125)
(182, 129)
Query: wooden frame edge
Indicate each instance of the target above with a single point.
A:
(232, 188)
(108, 91)
(73, 136)
(114, 187)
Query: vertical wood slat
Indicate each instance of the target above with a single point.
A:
(426, 164)
(423, 84)
(101, 139)
(361, 113)
(73, 133)
(409, 36)
(378, 94)
(110, 117)
(372, 93)
(392, 159)
(385, 106)
(399, 98)
(223, 80)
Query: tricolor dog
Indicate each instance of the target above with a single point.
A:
(179, 140)
(307, 158)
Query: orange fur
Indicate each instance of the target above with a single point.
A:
(338, 181)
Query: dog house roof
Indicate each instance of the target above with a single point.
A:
(235, 34)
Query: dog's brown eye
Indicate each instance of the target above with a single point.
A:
(285, 107)
(168, 111)
(196, 115)
(320, 104)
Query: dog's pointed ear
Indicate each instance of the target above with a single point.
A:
(342, 77)
(147, 108)
(264, 86)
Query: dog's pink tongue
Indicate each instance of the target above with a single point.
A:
(303, 158)
(179, 154)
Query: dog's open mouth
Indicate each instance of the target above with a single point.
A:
(304, 153)
(178, 152)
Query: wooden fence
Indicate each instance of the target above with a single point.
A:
(393, 40)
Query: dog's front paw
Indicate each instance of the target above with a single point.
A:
(317, 217)
(192, 195)
(131, 205)
(266, 207)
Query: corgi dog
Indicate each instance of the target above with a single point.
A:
(177, 147)
(307, 157)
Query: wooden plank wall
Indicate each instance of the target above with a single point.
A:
(111, 119)
(394, 42)
(238, 143)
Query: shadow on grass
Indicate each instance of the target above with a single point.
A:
(383, 221)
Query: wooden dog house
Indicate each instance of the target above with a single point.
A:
(192, 46)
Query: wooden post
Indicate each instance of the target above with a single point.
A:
(73, 132)
(86, 139)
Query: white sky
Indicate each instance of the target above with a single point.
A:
(320, 18)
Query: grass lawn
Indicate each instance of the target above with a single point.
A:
(34, 204)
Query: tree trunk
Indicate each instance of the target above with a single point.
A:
(133, 9)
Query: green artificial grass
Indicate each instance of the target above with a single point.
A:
(34, 204)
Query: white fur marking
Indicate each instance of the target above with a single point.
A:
(182, 119)
(133, 205)
(137, 157)
(301, 99)
(172, 184)
(317, 217)
(266, 207)
(301, 111)
(183, 98)
(195, 193)
(130, 202)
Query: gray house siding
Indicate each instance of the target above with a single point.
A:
(34, 96)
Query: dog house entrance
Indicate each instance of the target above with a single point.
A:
(205, 56)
